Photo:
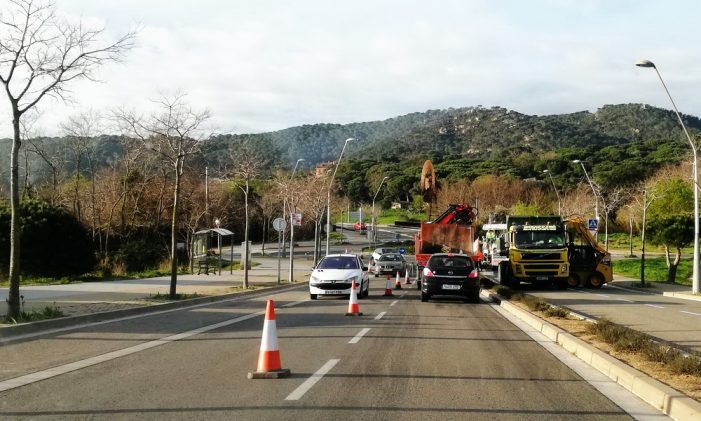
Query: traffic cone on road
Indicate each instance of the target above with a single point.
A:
(269, 366)
(388, 287)
(398, 283)
(353, 307)
(406, 277)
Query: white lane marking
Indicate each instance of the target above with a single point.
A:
(137, 316)
(360, 334)
(653, 305)
(603, 295)
(402, 295)
(393, 303)
(77, 365)
(294, 303)
(689, 312)
(628, 289)
(379, 316)
(311, 381)
(623, 299)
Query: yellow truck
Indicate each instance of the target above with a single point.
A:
(548, 250)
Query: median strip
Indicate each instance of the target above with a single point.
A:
(311, 381)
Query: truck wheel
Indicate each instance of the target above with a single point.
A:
(573, 281)
(596, 280)
(312, 296)
(424, 297)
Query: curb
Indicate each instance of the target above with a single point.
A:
(65, 322)
(670, 401)
(682, 295)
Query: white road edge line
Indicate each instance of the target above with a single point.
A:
(623, 299)
(137, 316)
(603, 295)
(77, 365)
(379, 316)
(393, 303)
(360, 334)
(631, 404)
(690, 312)
(653, 305)
(311, 381)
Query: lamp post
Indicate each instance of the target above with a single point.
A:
(290, 276)
(559, 211)
(374, 231)
(694, 174)
(593, 190)
(328, 195)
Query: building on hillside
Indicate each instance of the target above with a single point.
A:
(322, 168)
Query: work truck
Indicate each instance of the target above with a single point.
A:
(453, 231)
(545, 250)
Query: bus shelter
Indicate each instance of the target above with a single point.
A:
(206, 244)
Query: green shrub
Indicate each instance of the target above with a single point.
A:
(53, 243)
(138, 255)
(35, 315)
(558, 312)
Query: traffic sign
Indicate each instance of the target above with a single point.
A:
(402, 250)
(279, 224)
(296, 219)
(593, 224)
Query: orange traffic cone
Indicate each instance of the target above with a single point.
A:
(398, 283)
(269, 366)
(406, 277)
(353, 307)
(388, 287)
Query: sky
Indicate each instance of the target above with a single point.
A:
(267, 65)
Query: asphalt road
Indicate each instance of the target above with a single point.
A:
(402, 360)
(670, 319)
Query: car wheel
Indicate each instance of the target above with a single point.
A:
(312, 296)
(596, 280)
(424, 297)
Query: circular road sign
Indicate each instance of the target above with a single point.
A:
(279, 224)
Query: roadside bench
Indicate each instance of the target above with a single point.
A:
(203, 264)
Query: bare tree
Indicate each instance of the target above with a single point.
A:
(611, 200)
(40, 54)
(645, 198)
(174, 133)
(313, 203)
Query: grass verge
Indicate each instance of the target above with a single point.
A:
(655, 269)
(48, 312)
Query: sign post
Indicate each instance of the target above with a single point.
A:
(279, 225)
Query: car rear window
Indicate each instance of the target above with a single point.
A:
(390, 258)
(338, 262)
(450, 261)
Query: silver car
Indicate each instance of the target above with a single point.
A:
(389, 263)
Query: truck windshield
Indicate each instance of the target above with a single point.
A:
(539, 239)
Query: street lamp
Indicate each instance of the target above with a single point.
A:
(593, 190)
(290, 276)
(328, 195)
(695, 285)
(559, 212)
(374, 232)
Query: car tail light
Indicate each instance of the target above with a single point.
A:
(428, 273)
(474, 274)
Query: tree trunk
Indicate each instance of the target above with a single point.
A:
(262, 251)
(316, 242)
(630, 238)
(672, 270)
(13, 300)
(642, 241)
(606, 231)
(174, 230)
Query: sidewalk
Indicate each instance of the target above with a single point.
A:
(91, 297)
(665, 289)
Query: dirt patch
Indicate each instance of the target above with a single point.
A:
(687, 384)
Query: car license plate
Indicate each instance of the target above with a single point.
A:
(333, 292)
(448, 286)
(541, 278)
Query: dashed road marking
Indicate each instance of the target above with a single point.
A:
(311, 381)
(292, 304)
(653, 305)
(379, 316)
(690, 312)
(360, 334)
(393, 303)
(603, 295)
(623, 299)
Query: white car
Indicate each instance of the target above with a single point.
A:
(380, 251)
(334, 276)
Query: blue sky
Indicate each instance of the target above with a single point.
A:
(267, 65)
